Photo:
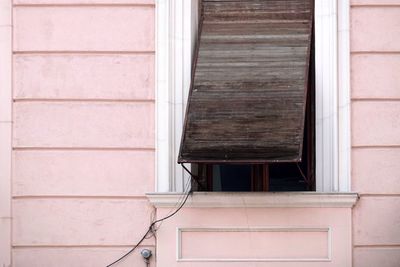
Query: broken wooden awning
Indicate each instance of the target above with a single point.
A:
(250, 77)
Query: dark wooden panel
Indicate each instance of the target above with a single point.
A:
(248, 93)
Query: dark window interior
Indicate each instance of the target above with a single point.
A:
(240, 175)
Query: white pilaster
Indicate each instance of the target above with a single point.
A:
(176, 22)
(326, 99)
(5, 130)
(344, 96)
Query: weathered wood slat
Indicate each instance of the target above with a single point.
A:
(248, 92)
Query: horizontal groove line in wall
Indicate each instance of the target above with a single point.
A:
(84, 100)
(378, 195)
(359, 99)
(375, 52)
(377, 246)
(374, 146)
(374, 5)
(79, 197)
(79, 246)
(86, 5)
(86, 148)
(65, 52)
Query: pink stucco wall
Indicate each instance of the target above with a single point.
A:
(83, 139)
(83, 132)
(375, 80)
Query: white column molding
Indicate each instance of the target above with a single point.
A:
(332, 64)
(344, 97)
(326, 95)
(163, 139)
(176, 28)
(5, 130)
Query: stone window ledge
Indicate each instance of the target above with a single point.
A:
(255, 200)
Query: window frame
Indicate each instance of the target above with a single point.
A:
(176, 31)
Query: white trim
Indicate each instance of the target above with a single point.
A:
(332, 68)
(5, 130)
(162, 97)
(326, 95)
(344, 97)
(176, 28)
(327, 230)
(332, 105)
(255, 200)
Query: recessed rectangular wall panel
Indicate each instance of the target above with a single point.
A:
(383, 228)
(80, 28)
(376, 256)
(375, 29)
(375, 123)
(381, 177)
(82, 172)
(76, 256)
(254, 244)
(83, 2)
(374, 2)
(79, 221)
(375, 76)
(84, 76)
(83, 124)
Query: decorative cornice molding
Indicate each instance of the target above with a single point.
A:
(255, 200)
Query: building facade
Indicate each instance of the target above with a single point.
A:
(92, 100)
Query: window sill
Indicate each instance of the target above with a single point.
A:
(256, 200)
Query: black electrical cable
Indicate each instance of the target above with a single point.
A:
(186, 189)
(130, 251)
(154, 223)
(308, 182)
(194, 177)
